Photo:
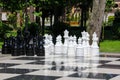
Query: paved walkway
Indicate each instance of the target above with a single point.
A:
(105, 67)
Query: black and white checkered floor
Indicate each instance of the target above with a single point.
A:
(59, 68)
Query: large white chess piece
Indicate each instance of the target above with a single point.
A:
(79, 49)
(88, 49)
(70, 46)
(94, 46)
(51, 47)
(47, 50)
(58, 45)
(84, 43)
(65, 45)
(71, 49)
(75, 42)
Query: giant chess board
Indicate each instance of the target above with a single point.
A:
(56, 67)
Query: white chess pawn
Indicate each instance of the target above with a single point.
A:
(83, 38)
(88, 45)
(75, 42)
(79, 49)
(66, 33)
(51, 45)
(47, 52)
(65, 45)
(46, 39)
(94, 46)
(84, 43)
(58, 46)
(71, 49)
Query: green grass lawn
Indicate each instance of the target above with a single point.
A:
(112, 46)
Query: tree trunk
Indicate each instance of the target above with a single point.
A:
(31, 10)
(18, 19)
(96, 18)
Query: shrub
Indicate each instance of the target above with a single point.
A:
(110, 20)
(116, 25)
(59, 27)
(4, 29)
(116, 30)
(12, 19)
(33, 28)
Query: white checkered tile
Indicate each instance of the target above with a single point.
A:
(114, 63)
(73, 78)
(51, 73)
(116, 78)
(103, 70)
(16, 61)
(5, 75)
(31, 66)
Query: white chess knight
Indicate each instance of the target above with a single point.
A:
(65, 45)
(94, 46)
(58, 45)
(79, 49)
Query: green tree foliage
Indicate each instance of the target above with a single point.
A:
(46, 7)
(12, 18)
(110, 20)
(4, 28)
(59, 27)
(109, 5)
(13, 5)
(33, 28)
